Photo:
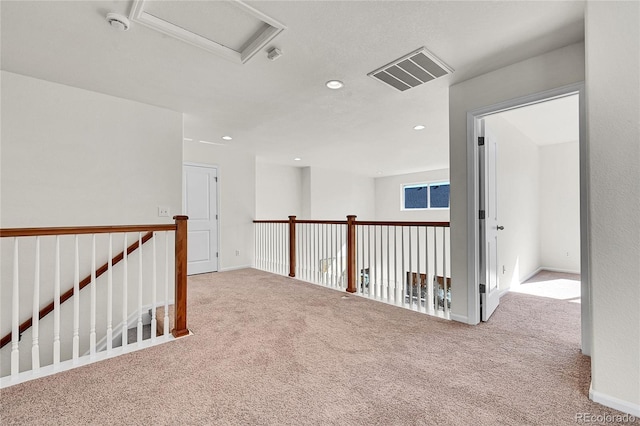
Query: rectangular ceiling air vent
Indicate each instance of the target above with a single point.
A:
(411, 70)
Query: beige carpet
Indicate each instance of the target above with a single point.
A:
(269, 350)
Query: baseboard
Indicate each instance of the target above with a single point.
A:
(615, 403)
(235, 268)
(459, 318)
(564, 271)
(531, 275)
(545, 268)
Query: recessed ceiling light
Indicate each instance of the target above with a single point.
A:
(297, 159)
(335, 84)
(379, 173)
(227, 138)
(418, 127)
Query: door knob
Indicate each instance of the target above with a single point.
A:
(500, 228)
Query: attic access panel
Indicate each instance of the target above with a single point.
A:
(229, 28)
(411, 70)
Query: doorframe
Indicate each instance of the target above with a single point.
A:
(473, 223)
(184, 207)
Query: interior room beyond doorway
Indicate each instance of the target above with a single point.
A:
(538, 196)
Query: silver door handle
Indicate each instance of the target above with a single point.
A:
(500, 228)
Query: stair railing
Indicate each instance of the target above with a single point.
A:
(145, 287)
(402, 263)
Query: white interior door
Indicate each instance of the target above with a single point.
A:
(489, 226)
(200, 204)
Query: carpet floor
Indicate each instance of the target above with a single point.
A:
(270, 350)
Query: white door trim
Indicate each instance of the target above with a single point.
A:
(473, 293)
(184, 207)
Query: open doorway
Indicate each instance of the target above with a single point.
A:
(538, 178)
(531, 151)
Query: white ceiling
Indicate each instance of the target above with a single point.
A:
(281, 109)
(548, 123)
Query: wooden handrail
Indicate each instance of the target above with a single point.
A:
(360, 222)
(85, 282)
(323, 222)
(73, 230)
(270, 221)
(400, 223)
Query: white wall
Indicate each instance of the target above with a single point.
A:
(278, 191)
(518, 182)
(72, 157)
(236, 194)
(334, 194)
(560, 207)
(75, 157)
(551, 70)
(613, 108)
(388, 197)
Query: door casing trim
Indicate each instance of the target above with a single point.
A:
(473, 236)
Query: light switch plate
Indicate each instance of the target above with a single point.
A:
(163, 211)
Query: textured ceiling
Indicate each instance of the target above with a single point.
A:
(281, 109)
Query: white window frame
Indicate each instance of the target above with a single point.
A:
(428, 185)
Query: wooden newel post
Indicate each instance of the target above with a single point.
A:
(292, 246)
(180, 324)
(351, 254)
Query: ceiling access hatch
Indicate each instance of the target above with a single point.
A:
(411, 70)
(228, 28)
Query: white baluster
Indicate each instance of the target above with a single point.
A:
(428, 302)
(166, 284)
(154, 322)
(139, 327)
(396, 296)
(436, 287)
(381, 280)
(76, 302)
(15, 312)
(334, 254)
(310, 261)
(325, 255)
(92, 326)
(419, 278)
(371, 281)
(56, 306)
(361, 285)
(338, 261)
(125, 290)
(110, 296)
(402, 272)
(444, 272)
(387, 248)
(410, 278)
(35, 326)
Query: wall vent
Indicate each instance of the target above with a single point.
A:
(411, 70)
